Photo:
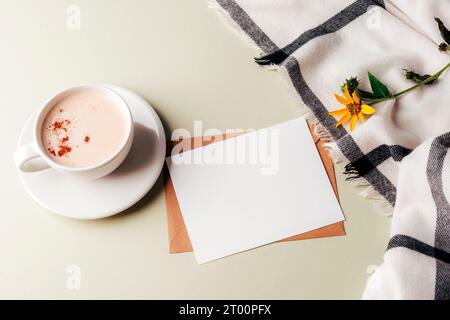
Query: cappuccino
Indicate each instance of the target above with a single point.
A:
(83, 129)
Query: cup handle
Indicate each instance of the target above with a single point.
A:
(25, 154)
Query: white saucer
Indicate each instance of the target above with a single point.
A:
(114, 193)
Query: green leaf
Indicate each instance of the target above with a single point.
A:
(445, 33)
(379, 88)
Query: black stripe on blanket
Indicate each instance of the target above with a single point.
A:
(377, 156)
(332, 25)
(247, 25)
(403, 241)
(438, 152)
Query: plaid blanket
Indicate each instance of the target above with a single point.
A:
(399, 154)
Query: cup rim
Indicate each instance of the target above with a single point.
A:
(95, 87)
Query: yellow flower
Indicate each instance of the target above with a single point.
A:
(353, 109)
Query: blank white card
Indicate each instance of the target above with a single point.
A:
(252, 190)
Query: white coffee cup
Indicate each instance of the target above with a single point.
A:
(26, 154)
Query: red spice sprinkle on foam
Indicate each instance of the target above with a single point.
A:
(87, 139)
(60, 125)
(58, 128)
(57, 125)
(52, 151)
(63, 150)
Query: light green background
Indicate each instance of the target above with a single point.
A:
(190, 66)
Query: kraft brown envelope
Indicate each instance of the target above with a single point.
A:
(178, 237)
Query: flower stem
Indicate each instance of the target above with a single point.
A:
(422, 83)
